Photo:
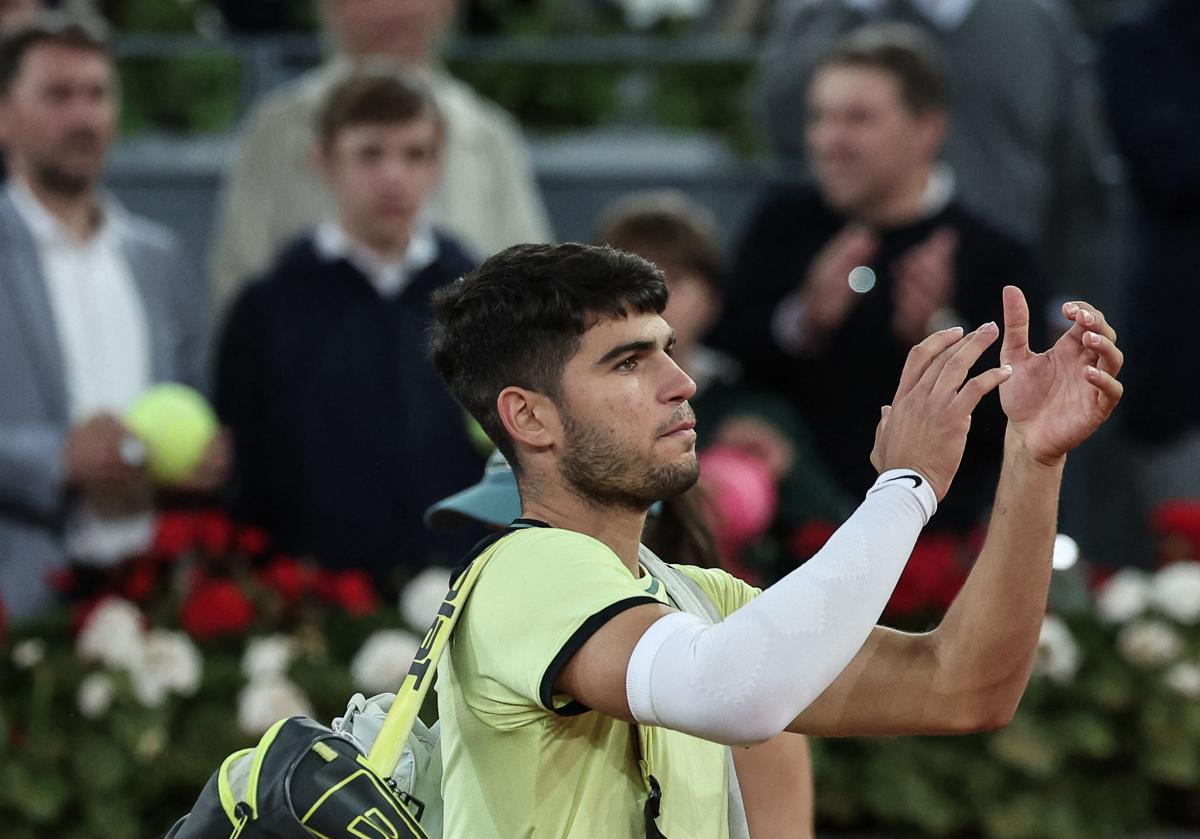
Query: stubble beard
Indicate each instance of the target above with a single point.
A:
(57, 181)
(606, 474)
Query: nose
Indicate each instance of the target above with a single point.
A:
(679, 386)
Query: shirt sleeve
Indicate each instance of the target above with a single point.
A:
(542, 595)
(726, 591)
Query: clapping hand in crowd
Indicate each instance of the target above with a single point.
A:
(923, 285)
(826, 293)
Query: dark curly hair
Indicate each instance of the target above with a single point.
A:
(518, 318)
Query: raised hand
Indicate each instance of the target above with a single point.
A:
(925, 428)
(1055, 400)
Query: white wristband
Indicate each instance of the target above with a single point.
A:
(914, 482)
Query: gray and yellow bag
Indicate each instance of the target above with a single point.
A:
(376, 774)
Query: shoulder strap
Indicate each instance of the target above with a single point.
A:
(393, 735)
(694, 600)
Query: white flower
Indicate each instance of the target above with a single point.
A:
(265, 701)
(1184, 678)
(1057, 652)
(383, 660)
(170, 663)
(268, 655)
(1124, 597)
(1175, 591)
(112, 635)
(95, 695)
(29, 653)
(1149, 643)
(421, 598)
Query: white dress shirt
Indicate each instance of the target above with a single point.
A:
(388, 277)
(105, 343)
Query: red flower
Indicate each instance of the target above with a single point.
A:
(290, 578)
(1179, 522)
(214, 532)
(139, 582)
(810, 538)
(216, 607)
(175, 536)
(931, 579)
(352, 590)
(252, 541)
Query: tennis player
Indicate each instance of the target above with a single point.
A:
(575, 700)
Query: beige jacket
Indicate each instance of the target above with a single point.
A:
(487, 197)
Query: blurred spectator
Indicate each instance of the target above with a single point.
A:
(758, 462)
(1025, 141)
(1150, 69)
(487, 196)
(342, 430)
(13, 15)
(91, 313)
(833, 284)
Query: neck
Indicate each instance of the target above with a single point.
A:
(392, 250)
(78, 213)
(901, 206)
(619, 528)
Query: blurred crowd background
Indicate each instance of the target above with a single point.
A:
(257, 198)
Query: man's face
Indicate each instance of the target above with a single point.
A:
(864, 142)
(628, 428)
(381, 175)
(60, 117)
(405, 28)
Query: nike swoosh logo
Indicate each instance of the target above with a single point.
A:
(915, 479)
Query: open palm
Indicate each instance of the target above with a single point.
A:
(1055, 400)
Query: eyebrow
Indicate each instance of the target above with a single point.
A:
(633, 347)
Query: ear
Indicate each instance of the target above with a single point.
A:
(530, 418)
(320, 156)
(932, 128)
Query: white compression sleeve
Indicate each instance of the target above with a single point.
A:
(744, 679)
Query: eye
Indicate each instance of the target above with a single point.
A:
(628, 365)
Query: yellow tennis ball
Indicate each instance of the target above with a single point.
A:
(176, 424)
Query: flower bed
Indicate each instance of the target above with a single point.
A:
(114, 713)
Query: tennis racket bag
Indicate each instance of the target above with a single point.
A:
(375, 775)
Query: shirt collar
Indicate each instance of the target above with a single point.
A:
(47, 229)
(939, 190)
(388, 277)
(945, 14)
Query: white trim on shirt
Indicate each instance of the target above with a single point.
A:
(388, 277)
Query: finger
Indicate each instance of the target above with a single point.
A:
(922, 355)
(1088, 318)
(954, 371)
(1111, 358)
(1015, 347)
(1110, 389)
(877, 449)
(980, 386)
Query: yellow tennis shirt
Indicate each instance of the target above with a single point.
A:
(522, 761)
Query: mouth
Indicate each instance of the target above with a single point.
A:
(681, 430)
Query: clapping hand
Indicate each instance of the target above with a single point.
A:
(1055, 400)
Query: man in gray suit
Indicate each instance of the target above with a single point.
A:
(91, 314)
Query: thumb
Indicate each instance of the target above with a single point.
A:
(1016, 326)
